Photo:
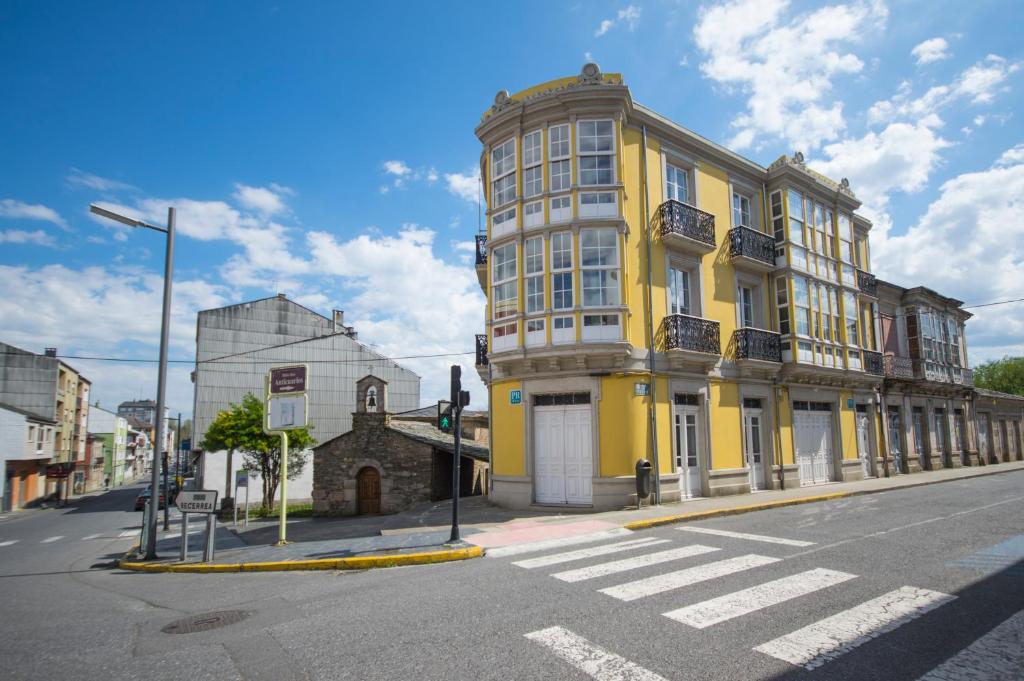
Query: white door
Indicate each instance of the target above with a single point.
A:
(813, 446)
(562, 455)
(752, 447)
(687, 431)
(864, 443)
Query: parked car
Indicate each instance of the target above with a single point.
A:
(144, 495)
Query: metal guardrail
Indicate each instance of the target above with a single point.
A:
(758, 344)
(750, 243)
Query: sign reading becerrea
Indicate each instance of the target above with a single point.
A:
(287, 380)
(197, 501)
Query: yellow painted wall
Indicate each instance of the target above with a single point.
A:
(507, 447)
(847, 427)
(635, 251)
(625, 425)
(726, 426)
(719, 292)
(786, 430)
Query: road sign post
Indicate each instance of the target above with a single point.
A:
(285, 408)
(203, 502)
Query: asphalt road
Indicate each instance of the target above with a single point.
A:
(895, 586)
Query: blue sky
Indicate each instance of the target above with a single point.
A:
(326, 150)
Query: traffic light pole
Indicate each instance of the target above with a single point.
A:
(456, 471)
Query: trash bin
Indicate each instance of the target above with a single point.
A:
(643, 479)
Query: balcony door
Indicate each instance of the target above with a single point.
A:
(753, 444)
(864, 440)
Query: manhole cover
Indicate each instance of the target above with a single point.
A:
(204, 622)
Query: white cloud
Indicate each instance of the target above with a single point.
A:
(80, 178)
(260, 199)
(432, 175)
(629, 15)
(427, 306)
(396, 168)
(464, 185)
(931, 50)
(970, 245)
(979, 83)
(588, 57)
(10, 208)
(979, 120)
(20, 236)
(786, 64)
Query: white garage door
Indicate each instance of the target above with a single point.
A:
(562, 454)
(812, 425)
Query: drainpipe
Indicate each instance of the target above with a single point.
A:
(778, 433)
(650, 324)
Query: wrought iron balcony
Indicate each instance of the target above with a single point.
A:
(873, 363)
(747, 244)
(898, 367)
(867, 283)
(696, 334)
(481, 349)
(758, 344)
(685, 226)
(481, 249)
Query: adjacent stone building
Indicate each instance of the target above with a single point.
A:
(385, 465)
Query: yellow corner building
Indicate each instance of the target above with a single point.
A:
(653, 295)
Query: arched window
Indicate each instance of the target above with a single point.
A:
(371, 399)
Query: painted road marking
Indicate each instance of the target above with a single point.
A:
(130, 533)
(8, 542)
(592, 660)
(715, 610)
(615, 566)
(751, 537)
(631, 591)
(556, 543)
(591, 552)
(52, 539)
(827, 639)
(1003, 556)
(996, 656)
(92, 536)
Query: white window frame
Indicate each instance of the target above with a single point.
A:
(797, 307)
(503, 223)
(501, 169)
(558, 270)
(563, 329)
(562, 213)
(601, 327)
(611, 284)
(739, 196)
(533, 214)
(598, 204)
(672, 186)
(509, 274)
(533, 164)
(533, 274)
(535, 334)
(581, 153)
(801, 220)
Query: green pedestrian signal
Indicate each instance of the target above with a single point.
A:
(444, 416)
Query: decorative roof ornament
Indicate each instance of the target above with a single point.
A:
(590, 74)
(501, 100)
(844, 184)
(798, 158)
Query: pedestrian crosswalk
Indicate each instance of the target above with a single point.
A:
(681, 567)
(113, 534)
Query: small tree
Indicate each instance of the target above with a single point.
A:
(226, 433)
(241, 429)
(1005, 375)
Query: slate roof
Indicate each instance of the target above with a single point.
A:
(428, 434)
(998, 395)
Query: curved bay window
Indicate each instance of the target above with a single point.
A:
(504, 297)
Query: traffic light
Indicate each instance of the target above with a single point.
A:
(456, 383)
(444, 416)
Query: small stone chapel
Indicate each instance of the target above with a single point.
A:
(386, 465)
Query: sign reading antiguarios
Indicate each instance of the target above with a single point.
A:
(287, 380)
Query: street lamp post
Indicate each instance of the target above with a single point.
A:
(161, 386)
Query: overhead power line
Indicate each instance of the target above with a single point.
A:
(222, 362)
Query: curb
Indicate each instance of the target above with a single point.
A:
(750, 508)
(351, 563)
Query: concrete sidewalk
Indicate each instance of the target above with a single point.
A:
(412, 538)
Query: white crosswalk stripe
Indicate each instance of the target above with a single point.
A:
(827, 639)
(615, 566)
(8, 542)
(91, 536)
(592, 660)
(751, 537)
(49, 540)
(996, 656)
(716, 610)
(592, 552)
(130, 533)
(557, 543)
(631, 591)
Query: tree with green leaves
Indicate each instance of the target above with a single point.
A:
(240, 428)
(1005, 375)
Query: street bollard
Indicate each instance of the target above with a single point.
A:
(211, 528)
(184, 538)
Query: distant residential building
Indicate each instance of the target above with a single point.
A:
(26, 447)
(144, 410)
(111, 431)
(236, 346)
(51, 390)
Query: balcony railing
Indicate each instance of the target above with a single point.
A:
(685, 220)
(898, 367)
(481, 249)
(867, 283)
(873, 363)
(758, 344)
(749, 243)
(481, 349)
(696, 334)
